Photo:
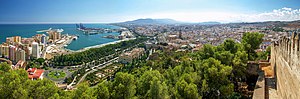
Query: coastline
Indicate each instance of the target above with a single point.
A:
(61, 46)
(100, 45)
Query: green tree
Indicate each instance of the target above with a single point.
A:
(171, 76)
(84, 92)
(124, 86)
(186, 91)
(4, 67)
(41, 88)
(144, 82)
(20, 93)
(55, 96)
(230, 45)
(240, 64)
(102, 91)
(215, 75)
(40, 61)
(191, 91)
(32, 64)
(207, 51)
(268, 50)
(225, 57)
(251, 42)
(11, 81)
(158, 89)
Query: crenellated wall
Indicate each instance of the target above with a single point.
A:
(285, 60)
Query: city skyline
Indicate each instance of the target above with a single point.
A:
(100, 11)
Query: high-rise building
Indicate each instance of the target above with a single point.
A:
(9, 40)
(13, 40)
(28, 52)
(17, 39)
(1, 50)
(27, 41)
(20, 55)
(12, 53)
(58, 35)
(35, 50)
(54, 35)
(51, 34)
(43, 39)
(23, 55)
(4, 50)
(37, 38)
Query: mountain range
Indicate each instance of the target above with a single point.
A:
(163, 21)
(149, 21)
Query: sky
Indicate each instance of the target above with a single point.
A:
(110, 11)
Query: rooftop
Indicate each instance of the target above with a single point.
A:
(34, 73)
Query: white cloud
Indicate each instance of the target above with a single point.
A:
(285, 8)
(283, 14)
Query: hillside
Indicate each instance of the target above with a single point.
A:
(148, 21)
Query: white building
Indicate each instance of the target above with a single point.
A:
(20, 55)
(35, 50)
(127, 57)
(4, 50)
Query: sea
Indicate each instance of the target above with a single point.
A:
(29, 30)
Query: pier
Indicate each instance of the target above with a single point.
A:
(41, 31)
(91, 31)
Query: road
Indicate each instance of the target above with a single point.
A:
(70, 85)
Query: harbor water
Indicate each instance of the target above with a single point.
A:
(29, 30)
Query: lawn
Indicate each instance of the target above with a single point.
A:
(56, 74)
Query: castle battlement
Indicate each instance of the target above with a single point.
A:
(285, 60)
(289, 49)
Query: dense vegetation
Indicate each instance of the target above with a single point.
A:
(93, 54)
(36, 63)
(14, 84)
(210, 73)
(251, 42)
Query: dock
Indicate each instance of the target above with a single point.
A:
(41, 31)
(92, 31)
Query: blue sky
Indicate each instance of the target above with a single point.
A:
(104, 11)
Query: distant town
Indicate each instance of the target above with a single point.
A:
(150, 49)
(46, 56)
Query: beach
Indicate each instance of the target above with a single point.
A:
(101, 45)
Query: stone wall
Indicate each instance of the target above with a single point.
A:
(285, 60)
